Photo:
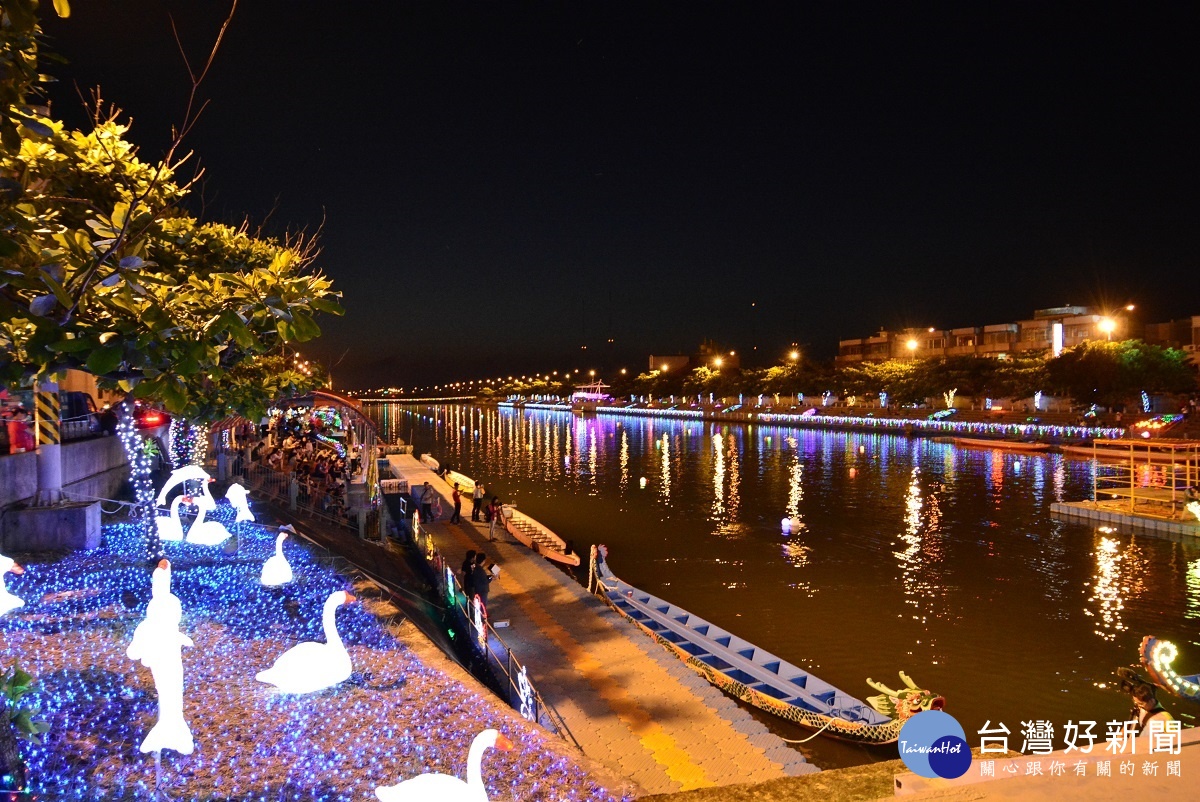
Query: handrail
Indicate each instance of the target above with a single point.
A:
(447, 583)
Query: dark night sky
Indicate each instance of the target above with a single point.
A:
(505, 182)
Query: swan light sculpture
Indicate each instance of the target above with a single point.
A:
(276, 571)
(158, 643)
(311, 666)
(203, 532)
(237, 496)
(7, 600)
(169, 526)
(444, 787)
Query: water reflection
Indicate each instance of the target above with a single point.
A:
(664, 484)
(958, 541)
(1193, 589)
(1118, 577)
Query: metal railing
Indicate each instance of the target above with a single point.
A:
(522, 695)
(277, 485)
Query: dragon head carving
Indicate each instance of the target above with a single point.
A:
(906, 703)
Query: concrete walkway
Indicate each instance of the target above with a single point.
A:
(629, 704)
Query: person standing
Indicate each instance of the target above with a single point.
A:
(468, 582)
(456, 516)
(477, 501)
(494, 517)
(426, 502)
(481, 578)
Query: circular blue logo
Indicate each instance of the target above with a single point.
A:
(932, 744)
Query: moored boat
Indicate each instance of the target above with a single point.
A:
(1005, 445)
(757, 676)
(537, 538)
(533, 535)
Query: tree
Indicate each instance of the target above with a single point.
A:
(100, 268)
(1113, 373)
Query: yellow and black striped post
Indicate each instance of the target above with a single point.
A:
(46, 412)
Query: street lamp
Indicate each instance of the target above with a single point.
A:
(717, 362)
(794, 355)
(911, 345)
(1108, 325)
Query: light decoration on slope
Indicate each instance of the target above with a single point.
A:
(525, 692)
(1037, 400)
(942, 414)
(930, 425)
(1145, 402)
(948, 397)
(399, 718)
(883, 399)
(335, 444)
(1158, 422)
(826, 398)
(329, 417)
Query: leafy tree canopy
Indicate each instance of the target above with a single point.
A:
(101, 269)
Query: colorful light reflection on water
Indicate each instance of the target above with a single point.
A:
(903, 554)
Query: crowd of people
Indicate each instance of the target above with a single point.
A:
(316, 472)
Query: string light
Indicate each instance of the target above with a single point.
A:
(396, 717)
(138, 451)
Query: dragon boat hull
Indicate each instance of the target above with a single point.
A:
(745, 671)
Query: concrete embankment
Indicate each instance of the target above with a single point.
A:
(630, 705)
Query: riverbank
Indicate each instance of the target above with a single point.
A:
(1041, 427)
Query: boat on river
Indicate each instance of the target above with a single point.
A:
(1005, 445)
(758, 677)
(537, 538)
(533, 535)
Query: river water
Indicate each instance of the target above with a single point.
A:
(904, 555)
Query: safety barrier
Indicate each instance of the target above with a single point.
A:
(522, 695)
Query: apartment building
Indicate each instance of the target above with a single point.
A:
(1049, 330)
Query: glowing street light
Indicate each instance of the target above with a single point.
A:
(911, 345)
(718, 362)
(794, 355)
(1108, 325)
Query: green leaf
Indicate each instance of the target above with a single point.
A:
(304, 327)
(105, 360)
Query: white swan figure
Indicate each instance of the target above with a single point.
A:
(7, 600)
(169, 526)
(237, 496)
(158, 643)
(184, 474)
(311, 666)
(276, 571)
(443, 787)
(207, 533)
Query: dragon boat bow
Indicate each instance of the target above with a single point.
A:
(758, 677)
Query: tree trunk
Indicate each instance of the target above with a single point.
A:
(11, 767)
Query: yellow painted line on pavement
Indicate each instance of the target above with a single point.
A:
(659, 743)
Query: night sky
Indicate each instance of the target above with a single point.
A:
(503, 183)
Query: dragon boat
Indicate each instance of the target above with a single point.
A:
(1157, 656)
(530, 533)
(757, 677)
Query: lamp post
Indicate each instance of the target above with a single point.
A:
(1108, 325)
(911, 345)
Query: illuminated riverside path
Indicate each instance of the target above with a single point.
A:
(908, 554)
